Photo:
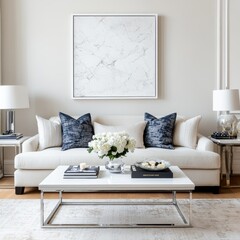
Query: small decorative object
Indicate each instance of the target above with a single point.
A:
(83, 166)
(113, 146)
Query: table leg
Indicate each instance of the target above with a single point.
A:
(190, 207)
(60, 197)
(227, 160)
(46, 221)
(231, 160)
(221, 159)
(174, 197)
(1, 163)
(42, 208)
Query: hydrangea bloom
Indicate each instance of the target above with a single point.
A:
(112, 145)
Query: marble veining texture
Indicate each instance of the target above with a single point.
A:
(114, 56)
(216, 219)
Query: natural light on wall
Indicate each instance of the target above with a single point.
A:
(224, 99)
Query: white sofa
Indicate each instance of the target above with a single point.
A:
(200, 164)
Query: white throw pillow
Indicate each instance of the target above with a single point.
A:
(185, 132)
(50, 133)
(135, 130)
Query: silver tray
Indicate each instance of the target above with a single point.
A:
(149, 168)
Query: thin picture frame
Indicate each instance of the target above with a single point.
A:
(115, 56)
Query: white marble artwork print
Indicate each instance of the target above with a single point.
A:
(114, 56)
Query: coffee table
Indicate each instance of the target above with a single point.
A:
(109, 182)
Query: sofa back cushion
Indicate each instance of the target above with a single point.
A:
(117, 120)
(77, 133)
(50, 133)
(185, 132)
(134, 130)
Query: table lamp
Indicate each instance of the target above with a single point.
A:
(13, 97)
(226, 100)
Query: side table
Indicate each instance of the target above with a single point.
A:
(17, 144)
(228, 145)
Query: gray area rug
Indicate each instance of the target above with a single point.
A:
(211, 219)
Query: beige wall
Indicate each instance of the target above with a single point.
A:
(234, 39)
(36, 51)
(234, 61)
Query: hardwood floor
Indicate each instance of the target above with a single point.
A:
(7, 191)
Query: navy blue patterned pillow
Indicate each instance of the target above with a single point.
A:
(159, 131)
(77, 133)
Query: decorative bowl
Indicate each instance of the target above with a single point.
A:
(153, 165)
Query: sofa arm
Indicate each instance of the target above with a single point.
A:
(204, 144)
(31, 144)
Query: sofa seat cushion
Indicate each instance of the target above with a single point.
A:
(183, 157)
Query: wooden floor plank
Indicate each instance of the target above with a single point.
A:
(7, 192)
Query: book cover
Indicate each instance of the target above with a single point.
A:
(81, 174)
(11, 136)
(80, 177)
(74, 170)
(137, 172)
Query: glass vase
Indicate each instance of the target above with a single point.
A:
(115, 166)
(238, 129)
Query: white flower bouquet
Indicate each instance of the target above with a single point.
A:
(112, 145)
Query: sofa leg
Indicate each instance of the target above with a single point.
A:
(216, 189)
(19, 190)
(212, 189)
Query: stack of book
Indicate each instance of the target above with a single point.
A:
(74, 171)
(137, 172)
(11, 136)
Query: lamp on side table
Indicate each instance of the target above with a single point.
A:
(226, 100)
(13, 97)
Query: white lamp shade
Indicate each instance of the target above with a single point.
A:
(226, 100)
(13, 97)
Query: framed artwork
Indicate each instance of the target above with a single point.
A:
(115, 56)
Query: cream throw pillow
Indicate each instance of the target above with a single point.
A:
(185, 132)
(135, 130)
(50, 133)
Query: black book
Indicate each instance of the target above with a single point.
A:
(137, 172)
(74, 170)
